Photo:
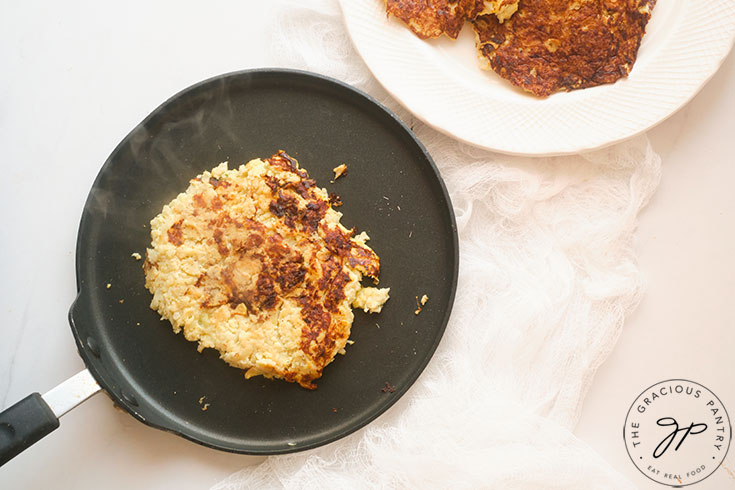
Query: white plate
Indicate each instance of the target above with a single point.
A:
(441, 83)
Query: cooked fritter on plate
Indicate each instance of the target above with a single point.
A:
(553, 45)
(254, 262)
(432, 18)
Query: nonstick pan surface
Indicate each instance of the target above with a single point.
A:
(392, 191)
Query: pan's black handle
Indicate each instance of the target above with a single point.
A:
(24, 424)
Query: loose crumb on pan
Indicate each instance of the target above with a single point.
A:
(419, 303)
(136, 256)
(388, 388)
(339, 171)
(424, 299)
(108, 285)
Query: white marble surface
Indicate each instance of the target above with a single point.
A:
(684, 327)
(77, 76)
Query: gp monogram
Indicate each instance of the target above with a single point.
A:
(677, 432)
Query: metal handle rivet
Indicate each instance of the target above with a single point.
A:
(93, 346)
(130, 399)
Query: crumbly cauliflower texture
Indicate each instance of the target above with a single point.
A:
(254, 262)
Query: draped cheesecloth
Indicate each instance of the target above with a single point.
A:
(547, 276)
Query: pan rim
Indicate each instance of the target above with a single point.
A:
(108, 381)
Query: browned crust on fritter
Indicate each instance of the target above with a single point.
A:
(175, 234)
(430, 18)
(258, 268)
(553, 45)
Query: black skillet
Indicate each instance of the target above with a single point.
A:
(392, 190)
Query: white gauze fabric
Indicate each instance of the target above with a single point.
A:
(547, 276)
